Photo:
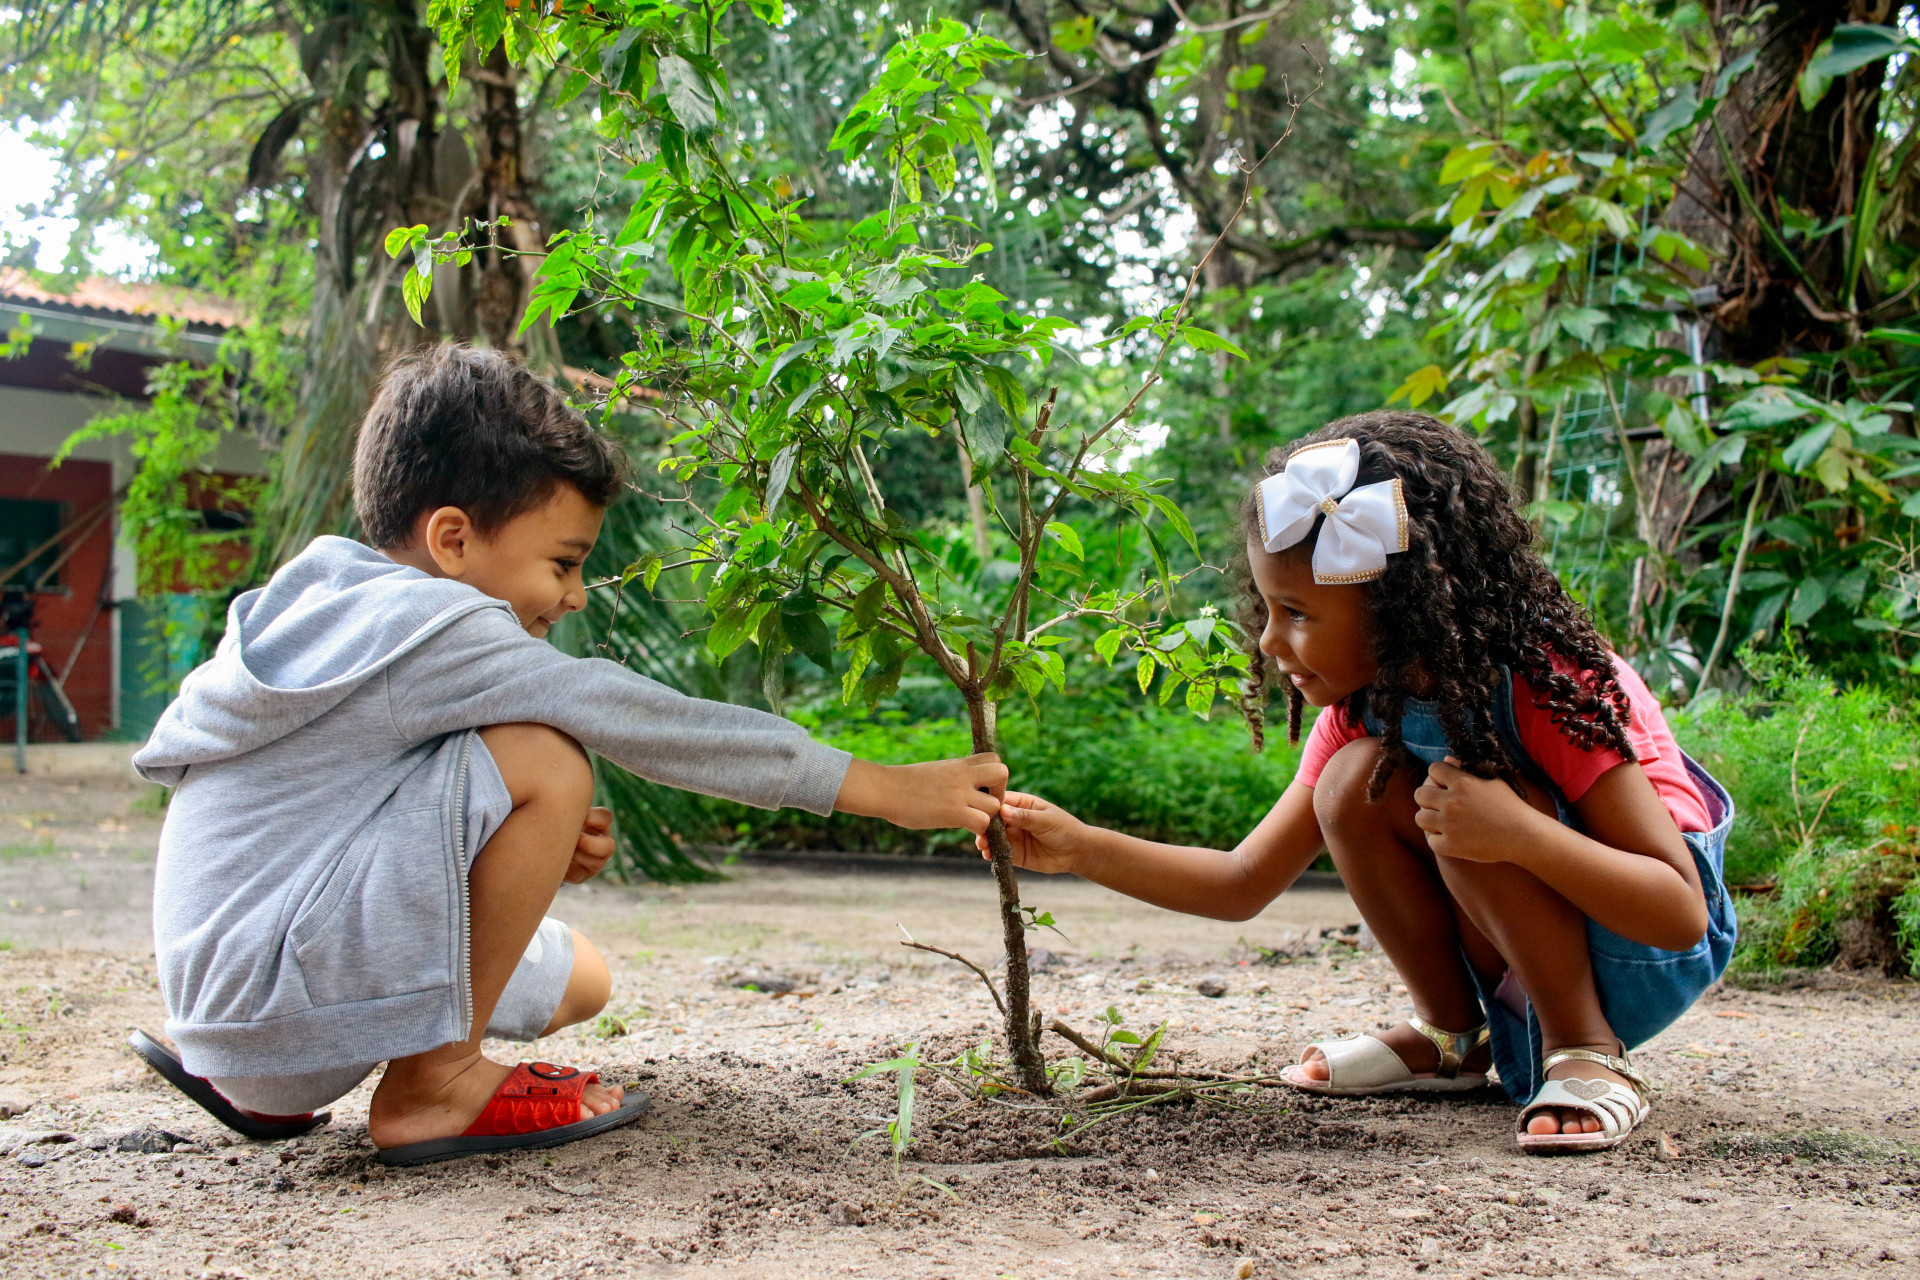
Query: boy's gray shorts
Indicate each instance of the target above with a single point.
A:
(528, 1004)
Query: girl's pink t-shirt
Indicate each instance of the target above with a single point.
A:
(1574, 771)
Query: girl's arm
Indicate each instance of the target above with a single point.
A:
(1630, 871)
(1225, 885)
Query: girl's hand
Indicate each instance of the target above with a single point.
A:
(1045, 837)
(1474, 819)
(926, 796)
(594, 847)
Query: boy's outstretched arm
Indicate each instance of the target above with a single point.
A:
(1223, 884)
(937, 793)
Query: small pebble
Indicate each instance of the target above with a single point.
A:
(1243, 1268)
(1212, 988)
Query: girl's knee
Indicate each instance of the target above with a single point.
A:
(1340, 794)
(537, 761)
(588, 987)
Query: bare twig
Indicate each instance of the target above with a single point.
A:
(991, 989)
(1087, 1046)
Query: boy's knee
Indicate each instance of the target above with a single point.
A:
(537, 761)
(588, 988)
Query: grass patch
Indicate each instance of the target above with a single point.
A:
(41, 848)
(1840, 1146)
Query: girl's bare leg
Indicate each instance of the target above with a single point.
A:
(1389, 871)
(441, 1092)
(1544, 937)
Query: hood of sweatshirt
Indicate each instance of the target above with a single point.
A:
(330, 620)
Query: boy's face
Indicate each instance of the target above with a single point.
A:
(532, 561)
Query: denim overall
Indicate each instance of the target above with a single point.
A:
(1642, 989)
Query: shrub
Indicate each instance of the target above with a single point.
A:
(1827, 785)
(1808, 764)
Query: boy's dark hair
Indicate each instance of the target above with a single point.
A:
(1468, 596)
(455, 427)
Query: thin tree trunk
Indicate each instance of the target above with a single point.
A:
(976, 506)
(1023, 1024)
(1733, 585)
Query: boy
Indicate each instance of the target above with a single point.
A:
(379, 787)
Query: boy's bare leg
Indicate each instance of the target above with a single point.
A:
(439, 1093)
(587, 988)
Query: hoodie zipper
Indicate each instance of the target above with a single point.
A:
(464, 984)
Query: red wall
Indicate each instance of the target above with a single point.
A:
(60, 619)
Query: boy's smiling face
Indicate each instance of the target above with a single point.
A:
(533, 561)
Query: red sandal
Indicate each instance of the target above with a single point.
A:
(536, 1107)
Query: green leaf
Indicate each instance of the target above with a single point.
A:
(1175, 517)
(868, 604)
(1200, 698)
(1067, 538)
(688, 94)
(732, 503)
(778, 476)
(1675, 115)
(1805, 450)
(414, 289)
(400, 237)
(1421, 385)
(1808, 599)
(984, 425)
(1854, 45)
(1206, 340)
(731, 629)
(808, 635)
(1109, 642)
(1144, 672)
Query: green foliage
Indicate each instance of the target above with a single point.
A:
(1827, 785)
(1567, 279)
(1158, 774)
(1809, 765)
(805, 357)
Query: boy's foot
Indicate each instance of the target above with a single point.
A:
(419, 1102)
(1550, 1120)
(1421, 1055)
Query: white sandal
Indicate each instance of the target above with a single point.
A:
(1618, 1107)
(1361, 1065)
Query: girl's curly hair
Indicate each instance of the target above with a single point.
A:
(1468, 596)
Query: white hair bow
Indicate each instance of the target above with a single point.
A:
(1363, 526)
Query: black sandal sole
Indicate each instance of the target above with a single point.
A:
(630, 1109)
(195, 1087)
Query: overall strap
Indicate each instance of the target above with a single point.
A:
(1508, 727)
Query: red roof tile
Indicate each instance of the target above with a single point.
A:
(119, 298)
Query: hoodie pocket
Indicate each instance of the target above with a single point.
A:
(383, 924)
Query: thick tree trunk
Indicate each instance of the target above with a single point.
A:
(1785, 157)
(1023, 1024)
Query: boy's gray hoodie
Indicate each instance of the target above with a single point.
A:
(310, 897)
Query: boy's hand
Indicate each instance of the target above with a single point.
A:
(594, 847)
(926, 796)
(1044, 836)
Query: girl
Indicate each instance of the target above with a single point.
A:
(1501, 794)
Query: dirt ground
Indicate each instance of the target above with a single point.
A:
(1785, 1139)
